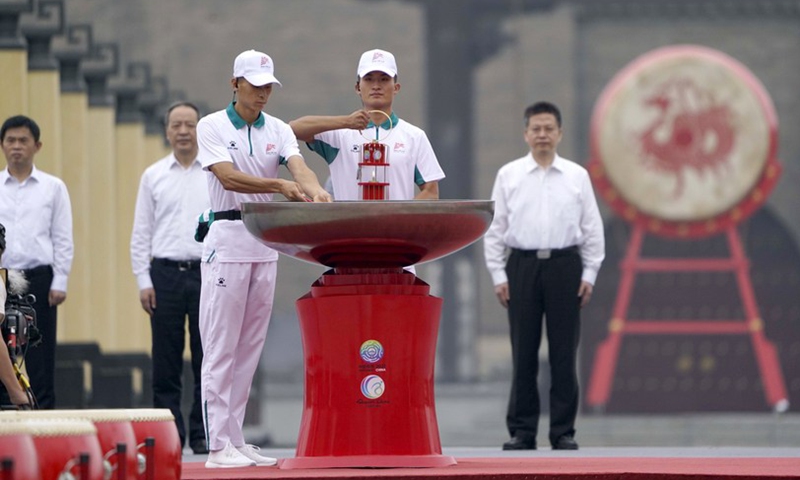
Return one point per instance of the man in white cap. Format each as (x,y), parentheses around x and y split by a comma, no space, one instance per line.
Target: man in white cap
(242,147)
(414,171)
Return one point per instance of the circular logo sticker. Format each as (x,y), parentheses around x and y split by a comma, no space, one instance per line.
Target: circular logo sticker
(371,351)
(372,386)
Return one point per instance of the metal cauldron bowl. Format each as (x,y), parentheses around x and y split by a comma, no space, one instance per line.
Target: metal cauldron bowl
(368,234)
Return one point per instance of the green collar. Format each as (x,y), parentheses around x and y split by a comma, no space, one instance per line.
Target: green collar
(238,122)
(387,125)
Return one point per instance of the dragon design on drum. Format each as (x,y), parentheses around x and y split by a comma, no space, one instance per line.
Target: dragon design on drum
(691,132)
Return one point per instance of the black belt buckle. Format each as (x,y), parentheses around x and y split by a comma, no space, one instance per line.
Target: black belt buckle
(544,253)
(184,265)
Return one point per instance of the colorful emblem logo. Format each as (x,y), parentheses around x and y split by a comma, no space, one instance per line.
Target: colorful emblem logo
(372,386)
(371,351)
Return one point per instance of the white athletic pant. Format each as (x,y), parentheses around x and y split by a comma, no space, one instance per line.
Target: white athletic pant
(235,306)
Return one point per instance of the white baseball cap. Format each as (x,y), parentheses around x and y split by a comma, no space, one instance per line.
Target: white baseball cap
(256,67)
(377,60)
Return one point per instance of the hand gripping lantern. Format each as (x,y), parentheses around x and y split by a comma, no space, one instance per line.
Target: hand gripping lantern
(372,169)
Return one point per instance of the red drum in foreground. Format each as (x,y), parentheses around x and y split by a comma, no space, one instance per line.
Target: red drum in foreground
(16,444)
(60,446)
(158,424)
(113,428)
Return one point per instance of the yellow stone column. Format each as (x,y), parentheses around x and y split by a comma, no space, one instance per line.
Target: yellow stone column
(43,81)
(130,163)
(75,316)
(13,61)
(13,82)
(44,106)
(104,271)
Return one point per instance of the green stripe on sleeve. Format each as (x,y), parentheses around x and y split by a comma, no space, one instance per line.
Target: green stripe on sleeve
(326,151)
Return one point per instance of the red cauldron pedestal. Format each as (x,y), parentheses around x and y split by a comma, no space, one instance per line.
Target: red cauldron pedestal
(369,327)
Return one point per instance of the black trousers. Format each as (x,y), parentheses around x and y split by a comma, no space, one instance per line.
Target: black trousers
(177,297)
(40,361)
(543,289)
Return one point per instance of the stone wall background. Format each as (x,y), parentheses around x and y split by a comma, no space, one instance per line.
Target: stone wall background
(565,54)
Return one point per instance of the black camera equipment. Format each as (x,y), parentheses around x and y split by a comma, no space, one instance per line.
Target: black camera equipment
(19,328)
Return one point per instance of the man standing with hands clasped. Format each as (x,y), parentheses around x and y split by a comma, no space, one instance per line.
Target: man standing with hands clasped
(166,261)
(36,211)
(543,250)
(242,147)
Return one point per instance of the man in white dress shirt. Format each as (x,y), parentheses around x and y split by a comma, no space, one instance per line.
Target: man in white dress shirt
(543,250)
(242,147)
(36,211)
(173,192)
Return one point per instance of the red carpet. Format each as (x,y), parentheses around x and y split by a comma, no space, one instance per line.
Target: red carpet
(539,469)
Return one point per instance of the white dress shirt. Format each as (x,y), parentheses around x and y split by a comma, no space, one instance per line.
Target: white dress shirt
(544,208)
(37,215)
(169,202)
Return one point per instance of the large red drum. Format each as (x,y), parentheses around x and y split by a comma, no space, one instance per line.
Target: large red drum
(113,428)
(16,444)
(158,424)
(60,445)
(684,142)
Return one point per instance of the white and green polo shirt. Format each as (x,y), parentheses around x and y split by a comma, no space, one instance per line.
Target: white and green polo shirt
(411,158)
(257,150)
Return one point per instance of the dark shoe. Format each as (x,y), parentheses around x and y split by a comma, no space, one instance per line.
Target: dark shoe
(520,443)
(199,447)
(565,442)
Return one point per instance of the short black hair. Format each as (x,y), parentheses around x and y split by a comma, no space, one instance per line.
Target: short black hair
(18,121)
(542,107)
(177,104)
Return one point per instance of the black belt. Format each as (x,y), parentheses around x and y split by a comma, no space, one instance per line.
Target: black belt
(228,215)
(181,265)
(545,253)
(36,271)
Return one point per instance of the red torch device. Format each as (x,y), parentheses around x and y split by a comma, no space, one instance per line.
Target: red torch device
(372,169)
(373,165)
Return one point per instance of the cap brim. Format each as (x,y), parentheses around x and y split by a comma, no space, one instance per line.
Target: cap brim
(262,79)
(377,68)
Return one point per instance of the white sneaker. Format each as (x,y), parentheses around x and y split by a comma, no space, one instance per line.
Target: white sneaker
(228,457)
(251,452)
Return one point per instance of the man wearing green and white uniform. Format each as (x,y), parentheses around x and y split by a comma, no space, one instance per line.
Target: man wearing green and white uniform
(413,173)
